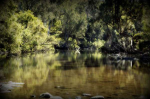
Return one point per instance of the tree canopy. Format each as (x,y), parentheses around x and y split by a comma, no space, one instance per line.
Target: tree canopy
(30,25)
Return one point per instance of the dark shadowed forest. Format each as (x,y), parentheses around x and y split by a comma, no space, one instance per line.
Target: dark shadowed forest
(106,25)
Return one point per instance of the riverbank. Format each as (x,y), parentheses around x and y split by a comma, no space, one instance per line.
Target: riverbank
(143,57)
(9,54)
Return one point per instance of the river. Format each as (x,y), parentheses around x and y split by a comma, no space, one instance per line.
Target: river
(67,74)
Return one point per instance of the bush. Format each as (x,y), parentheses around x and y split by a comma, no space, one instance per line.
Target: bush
(142,41)
(11,36)
(99,44)
(34,34)
(23,32)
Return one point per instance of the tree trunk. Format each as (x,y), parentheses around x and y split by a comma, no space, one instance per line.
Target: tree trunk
(49,27)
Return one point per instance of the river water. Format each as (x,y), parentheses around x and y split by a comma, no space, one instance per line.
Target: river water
(67,74)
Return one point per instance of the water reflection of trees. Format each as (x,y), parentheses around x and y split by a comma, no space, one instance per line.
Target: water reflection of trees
(38,71)
(70,60)
(101,79)
(30,69)
(93,60)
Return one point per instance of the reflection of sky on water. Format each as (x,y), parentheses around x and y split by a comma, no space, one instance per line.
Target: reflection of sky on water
(76,74)
(7,87)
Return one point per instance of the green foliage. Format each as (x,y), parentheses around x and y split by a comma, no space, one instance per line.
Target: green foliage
(56,28)
(38,34)
(72,43)
(25,17)
(99,44)
(146,19)
(74,24)
(23,32)
(28,25)
(34,33)
(142,36)
(11,38)
(8,29)
(142,41)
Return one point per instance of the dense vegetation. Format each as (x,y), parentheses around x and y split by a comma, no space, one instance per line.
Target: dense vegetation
(111,25)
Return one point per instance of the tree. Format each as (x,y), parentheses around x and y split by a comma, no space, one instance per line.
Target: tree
(73,24)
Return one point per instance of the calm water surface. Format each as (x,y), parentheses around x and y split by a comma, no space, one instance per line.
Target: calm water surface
(68,75)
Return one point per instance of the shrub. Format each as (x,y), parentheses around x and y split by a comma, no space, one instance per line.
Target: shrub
(23,32)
